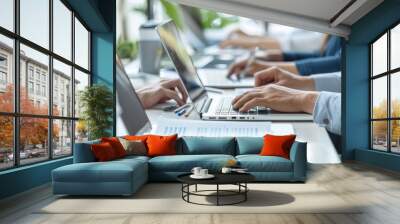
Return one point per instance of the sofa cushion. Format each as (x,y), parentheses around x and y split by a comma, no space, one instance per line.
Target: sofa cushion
(83,152)
(185,163)
(116,145)
(257,163)
(277,145)
(249,145)
(159,145)
(103,152)
(112,171)
(134,147)
(206,145)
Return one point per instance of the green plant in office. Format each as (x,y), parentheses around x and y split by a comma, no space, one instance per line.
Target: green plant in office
(209,19)
(215,20)
(96,102)
(173,12)
(127,49)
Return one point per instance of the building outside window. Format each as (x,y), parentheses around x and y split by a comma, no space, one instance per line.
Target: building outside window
(30,87)
(3,78)
(57,127)
(385,91)
(44,91)
(38,89)
(44,77)
(30,72)
(3,72)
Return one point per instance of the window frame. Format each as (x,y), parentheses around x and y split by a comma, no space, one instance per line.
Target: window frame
(16,115)
(388,74)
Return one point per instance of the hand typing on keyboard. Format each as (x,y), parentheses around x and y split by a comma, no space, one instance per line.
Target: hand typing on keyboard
(277,98)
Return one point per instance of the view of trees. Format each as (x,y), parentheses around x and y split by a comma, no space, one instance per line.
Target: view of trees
(33,132)
(379,128)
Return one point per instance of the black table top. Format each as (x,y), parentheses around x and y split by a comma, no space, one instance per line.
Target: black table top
(220,178)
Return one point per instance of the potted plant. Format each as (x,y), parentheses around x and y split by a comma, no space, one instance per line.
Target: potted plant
(96,102)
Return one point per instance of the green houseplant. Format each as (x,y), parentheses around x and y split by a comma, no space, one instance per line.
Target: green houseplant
(96,102)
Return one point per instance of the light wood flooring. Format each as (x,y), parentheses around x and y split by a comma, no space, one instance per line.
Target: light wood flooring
(377,188)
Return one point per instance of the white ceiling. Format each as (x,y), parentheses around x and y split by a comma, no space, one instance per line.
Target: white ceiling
(315,15)
(321,9)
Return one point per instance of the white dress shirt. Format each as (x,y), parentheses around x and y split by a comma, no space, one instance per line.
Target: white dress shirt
(327,110)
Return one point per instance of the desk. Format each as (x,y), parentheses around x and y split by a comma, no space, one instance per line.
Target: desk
(320,148)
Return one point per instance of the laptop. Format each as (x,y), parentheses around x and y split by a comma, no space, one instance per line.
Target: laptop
(131,118)
(210,107)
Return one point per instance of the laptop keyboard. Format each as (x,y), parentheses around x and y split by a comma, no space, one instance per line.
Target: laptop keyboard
(225,108)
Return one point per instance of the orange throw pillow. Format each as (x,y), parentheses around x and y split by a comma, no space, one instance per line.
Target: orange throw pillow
(275,145)
(161,145)
(103,152)
(116,145)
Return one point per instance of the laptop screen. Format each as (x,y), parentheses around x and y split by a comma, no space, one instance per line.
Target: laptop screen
(130,114)
(176,51)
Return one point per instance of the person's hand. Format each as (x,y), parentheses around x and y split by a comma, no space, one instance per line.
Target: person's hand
(242,66)
(275,75)
(270,55)
(163,91)
(249,69)
(277,98)
(239,42)
(237,33)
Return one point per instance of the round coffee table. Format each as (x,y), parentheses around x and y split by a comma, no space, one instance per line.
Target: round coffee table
(238,179)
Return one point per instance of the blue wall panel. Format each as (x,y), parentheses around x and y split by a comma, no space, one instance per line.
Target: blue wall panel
(24,178)
(103,63)
(356,81)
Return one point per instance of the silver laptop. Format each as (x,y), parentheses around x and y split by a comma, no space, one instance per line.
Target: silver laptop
(131,118)
(216,107)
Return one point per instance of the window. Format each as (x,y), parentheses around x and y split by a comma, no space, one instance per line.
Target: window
(7,73)
(81,45)
(35,21)
(44,91)
(3,78)
(30,72)
(30,88)
(62,29)
(7,14)
(45,122)
(385,94)
(37,90)
(3,61)
(38,74)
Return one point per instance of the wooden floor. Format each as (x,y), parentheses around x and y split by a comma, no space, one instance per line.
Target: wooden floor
(377,188)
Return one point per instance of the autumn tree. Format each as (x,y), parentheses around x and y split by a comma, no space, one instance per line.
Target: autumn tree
(33,131)
(379,128)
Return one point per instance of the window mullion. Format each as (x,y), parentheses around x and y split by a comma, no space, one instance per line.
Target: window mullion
(73,82)
(389,104)
(50,81)
(16,84)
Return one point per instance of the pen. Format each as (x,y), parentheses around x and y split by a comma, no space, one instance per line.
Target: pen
(181,107)
(251,59)
(189,111)
(179,113)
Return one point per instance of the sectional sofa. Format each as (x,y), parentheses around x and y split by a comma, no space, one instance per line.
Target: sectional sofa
(125,176)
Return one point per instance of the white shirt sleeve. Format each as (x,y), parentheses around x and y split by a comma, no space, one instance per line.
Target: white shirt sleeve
(327,111)
(330,82)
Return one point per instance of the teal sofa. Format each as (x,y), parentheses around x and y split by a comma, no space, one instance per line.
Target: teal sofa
(125,176)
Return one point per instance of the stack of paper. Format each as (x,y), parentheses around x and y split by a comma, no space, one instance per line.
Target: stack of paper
(220,128)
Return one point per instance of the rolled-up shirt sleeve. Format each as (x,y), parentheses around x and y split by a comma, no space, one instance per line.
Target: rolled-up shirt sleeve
(318,65)
(329,82)
(327,111)
(293,56)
